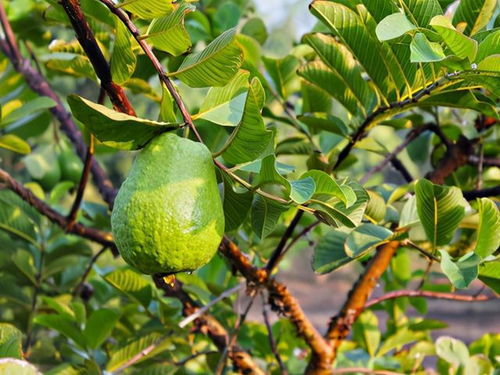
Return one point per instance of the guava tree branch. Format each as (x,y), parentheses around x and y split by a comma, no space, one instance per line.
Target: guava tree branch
(43,208)
(89,44)
(282,301)
(38,84)
(340,325)
(209,326)
(428,294)
(482,193)
(383,110)
(156,64)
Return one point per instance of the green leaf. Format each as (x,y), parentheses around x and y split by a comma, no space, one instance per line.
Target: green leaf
(268,175)
(147,9)
(236,205)
(28,108)
(302,190)
(488,232)
(169,34)
(62,324)
(123,60)
(13,366)
(364,238)
(489,273)
(420,12)
(14,143)
(99,327)
(366,332)
(452,350)
(462,272)
(353,33)
(225,105)
(251,138)
(393,26)
(324,121)
(461,45)
(255,28)
(145,347)
(329,253)
(475,13)
(376,208)
(226,16)
(397,340)
(167,106)
(440,210)
(489,46)
(491,63)
(10,341)
(320,75)
(71,64)
(327,187)
(216,65)
(265,215)
(132,284)
(116,129)
(14,220)
(422,50)
(282,71)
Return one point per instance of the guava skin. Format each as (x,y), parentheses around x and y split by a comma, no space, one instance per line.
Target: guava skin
(168,215)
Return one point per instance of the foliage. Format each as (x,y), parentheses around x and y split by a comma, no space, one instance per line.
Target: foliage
(301,141)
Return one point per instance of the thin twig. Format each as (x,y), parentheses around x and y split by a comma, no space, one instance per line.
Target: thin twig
(89,44)
(422,251)
(428,294)
(232,338)
(36,292)
(156,64)
(94,259)
(412,135)
(270,336)
(276,255)
(484,193)
(383,110)
(79,229)
(182,362)
(204,309)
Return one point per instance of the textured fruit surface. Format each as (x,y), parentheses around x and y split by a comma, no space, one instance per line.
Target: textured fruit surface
(168,215)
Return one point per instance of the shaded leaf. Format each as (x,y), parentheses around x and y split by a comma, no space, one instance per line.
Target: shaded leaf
(265,215)
(440,210)
(422,50)
(99,326)
(132,284)
(329,253)
(116,129)
(462,272)
(168,33)
(488,233)
(475,13)
(10,341)
(123,60)
(364,238)
(215,65)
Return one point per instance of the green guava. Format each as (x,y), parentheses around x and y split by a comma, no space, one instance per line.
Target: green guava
(168,215)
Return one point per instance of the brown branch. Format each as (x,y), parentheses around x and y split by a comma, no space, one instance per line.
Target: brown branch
(277,253)
(38,84)
(427,294)
(457,155)
(89,44)
(399,166)
(209,326)
(487,192)
(79,229)
(282,301)
(94,259)
(380,111)
(156,64)
(340,326)
(412,135)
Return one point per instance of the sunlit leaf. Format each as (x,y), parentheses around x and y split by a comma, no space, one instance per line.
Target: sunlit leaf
(462,272)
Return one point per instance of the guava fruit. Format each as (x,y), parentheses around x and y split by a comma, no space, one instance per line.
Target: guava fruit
(168,215)
(71,166)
